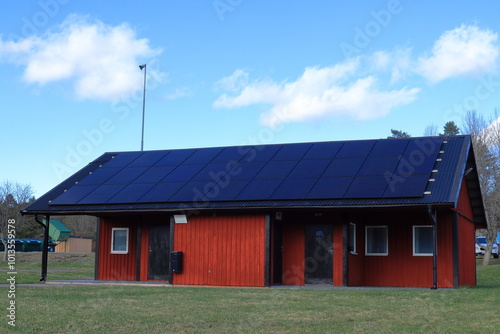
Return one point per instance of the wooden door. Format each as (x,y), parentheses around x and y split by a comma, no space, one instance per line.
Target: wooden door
(158,252)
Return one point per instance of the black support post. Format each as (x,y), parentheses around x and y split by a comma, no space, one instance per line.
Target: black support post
(45,246)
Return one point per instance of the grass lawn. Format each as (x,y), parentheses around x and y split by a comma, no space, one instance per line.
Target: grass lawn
(143,309)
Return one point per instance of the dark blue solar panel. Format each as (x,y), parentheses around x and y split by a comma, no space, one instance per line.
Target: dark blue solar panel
(424,146)
(161,192)
(367,187)
(246,170)
(203,156)
(387,148)
(323,150)
(344,167)
(229,154)
(225,190)
(175,157)
(411,186)
(183,173)
(292,152)
(131,193)
(330,187)
(276,169)
(74,194)
(355,149)
(126,175)
(99,176)
(260,153)
(154,174)
(259,189)
(102,194)
(122,159)
(416,163)
(192,191)
(147,159)
(379,166)
(212,172)
(294,188)
(309,168)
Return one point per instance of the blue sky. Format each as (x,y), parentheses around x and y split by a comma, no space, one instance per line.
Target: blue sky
(231,72)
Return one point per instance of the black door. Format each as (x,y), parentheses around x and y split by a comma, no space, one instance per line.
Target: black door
(319,254)
(158,252)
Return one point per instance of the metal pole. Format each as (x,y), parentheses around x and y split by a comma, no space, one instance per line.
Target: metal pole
(143,105)
(45,250)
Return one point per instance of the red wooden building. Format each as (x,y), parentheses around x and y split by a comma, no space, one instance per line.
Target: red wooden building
(398,212)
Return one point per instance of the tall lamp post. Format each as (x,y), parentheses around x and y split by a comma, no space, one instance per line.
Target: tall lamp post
(143,67)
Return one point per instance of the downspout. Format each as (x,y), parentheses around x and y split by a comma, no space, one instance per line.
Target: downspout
(432,217)
(45,247)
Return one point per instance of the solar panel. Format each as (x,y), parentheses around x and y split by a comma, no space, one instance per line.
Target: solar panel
(131,193)
(276,169)
(388,148)
(73,195)
(309,168)
(411,186)
(154,174)
(225,190)
(192,191)
(183,173)
(260,153)
(246,170)
(294,188)
(355,149)
(161,192)
(259,189)
(379,166)
(102,194)
(122,159)
(292,152)
(330,187)
(147,159)
(126,175)
(211,172)
(175,157)
(231,154)
(367,187)
(203,156)
(99,176)
(343,167)
(323,150)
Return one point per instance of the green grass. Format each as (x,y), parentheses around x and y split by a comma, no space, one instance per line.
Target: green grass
(149,309)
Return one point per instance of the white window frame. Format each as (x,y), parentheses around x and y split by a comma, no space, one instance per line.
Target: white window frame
(113,230)
(352,234)
(414,240)
(386,240)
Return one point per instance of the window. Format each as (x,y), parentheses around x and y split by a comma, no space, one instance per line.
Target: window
(376,240)
(423,240)
(352,238)
(119,240)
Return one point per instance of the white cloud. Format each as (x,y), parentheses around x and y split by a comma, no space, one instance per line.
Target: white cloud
(317,94)
(178,93)
(466,50)
(102,60)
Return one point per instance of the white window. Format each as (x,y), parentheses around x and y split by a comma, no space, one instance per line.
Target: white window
(119,240)
(352,238)
(376,240)
(423,240)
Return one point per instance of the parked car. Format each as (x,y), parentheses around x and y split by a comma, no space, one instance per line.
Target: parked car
(482,245)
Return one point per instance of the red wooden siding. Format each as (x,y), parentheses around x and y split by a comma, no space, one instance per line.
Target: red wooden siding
(338,257)
(116,266)
(293,253)
(144,253)
(222,250)
(400,267)
(466,248)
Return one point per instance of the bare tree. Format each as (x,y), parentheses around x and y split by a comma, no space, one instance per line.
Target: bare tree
(13,197)
(431,130)
(486,143)
(80,225)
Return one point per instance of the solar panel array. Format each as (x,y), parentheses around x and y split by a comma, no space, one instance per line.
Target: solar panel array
(327,170)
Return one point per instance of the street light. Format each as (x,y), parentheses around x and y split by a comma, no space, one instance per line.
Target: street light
(143,67)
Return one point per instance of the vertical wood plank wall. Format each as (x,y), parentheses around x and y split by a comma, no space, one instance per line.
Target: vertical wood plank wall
(293,254)
(466,247)
(221,250)
(117,266)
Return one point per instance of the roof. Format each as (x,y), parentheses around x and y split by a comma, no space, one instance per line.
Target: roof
(383,172)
